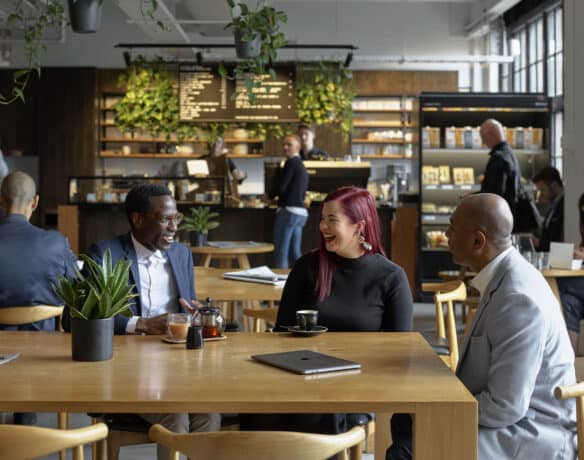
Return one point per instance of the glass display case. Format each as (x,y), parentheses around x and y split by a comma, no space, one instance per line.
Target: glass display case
(453,158)
(207,190)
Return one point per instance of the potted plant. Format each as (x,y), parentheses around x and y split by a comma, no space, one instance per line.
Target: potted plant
(257,38)
(94,300)
(85,15)
(326,98)
(201,220)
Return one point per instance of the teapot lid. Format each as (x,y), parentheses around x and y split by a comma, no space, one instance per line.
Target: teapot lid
(209,310)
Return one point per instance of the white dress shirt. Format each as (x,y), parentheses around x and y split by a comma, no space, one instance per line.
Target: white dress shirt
(158,293)
(484,277)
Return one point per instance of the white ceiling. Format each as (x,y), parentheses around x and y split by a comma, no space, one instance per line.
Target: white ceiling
(390,28)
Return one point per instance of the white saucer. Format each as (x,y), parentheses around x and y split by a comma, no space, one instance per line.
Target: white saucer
(305,333)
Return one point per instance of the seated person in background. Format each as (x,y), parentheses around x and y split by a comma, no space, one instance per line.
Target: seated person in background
(162,271)
(308,150)
(352,285)
(551,191)
(32,258)
(572,288)
(517,349)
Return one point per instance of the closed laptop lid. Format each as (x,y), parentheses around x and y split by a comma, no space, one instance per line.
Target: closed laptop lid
(306,362)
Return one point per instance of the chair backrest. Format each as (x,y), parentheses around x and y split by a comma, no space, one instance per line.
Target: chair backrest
(448,293)
(21,442)
(17,316)
(258,445)
(575,390)
(269,315)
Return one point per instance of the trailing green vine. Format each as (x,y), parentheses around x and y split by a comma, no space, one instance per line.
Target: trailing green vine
(326,99)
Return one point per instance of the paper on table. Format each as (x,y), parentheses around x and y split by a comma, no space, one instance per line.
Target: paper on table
(561,255)
(257,275)
(5,357)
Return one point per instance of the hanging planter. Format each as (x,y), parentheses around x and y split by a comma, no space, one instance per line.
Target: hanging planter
(85,15)
(247,49)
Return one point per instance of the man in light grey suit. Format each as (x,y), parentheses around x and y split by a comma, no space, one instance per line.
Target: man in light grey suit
(517,349)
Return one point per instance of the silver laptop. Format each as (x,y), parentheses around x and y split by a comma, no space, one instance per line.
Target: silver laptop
(306,362)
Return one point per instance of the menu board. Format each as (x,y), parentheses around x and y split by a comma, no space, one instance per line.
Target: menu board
(207,96)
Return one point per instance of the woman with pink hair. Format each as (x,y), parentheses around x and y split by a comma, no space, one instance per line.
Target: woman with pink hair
(348,279)
(352,285)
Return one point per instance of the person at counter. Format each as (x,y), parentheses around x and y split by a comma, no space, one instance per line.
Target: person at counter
(162,272)
(351,283)
(291,215)
(308,151)
(215,153)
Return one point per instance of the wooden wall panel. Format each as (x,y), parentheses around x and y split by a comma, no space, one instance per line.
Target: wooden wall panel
(395,82)
(57,123)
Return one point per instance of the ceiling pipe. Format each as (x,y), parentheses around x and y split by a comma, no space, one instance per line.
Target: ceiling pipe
(462,59)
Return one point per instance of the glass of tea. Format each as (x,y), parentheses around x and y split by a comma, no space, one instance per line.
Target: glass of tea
(177,326)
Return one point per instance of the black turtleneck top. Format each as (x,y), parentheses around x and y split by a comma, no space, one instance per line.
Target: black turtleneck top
(369,293)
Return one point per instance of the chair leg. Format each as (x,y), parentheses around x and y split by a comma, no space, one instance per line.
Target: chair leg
(113,445)
(78,452)
(356,452)
(382,434)
(63,424)
(370,439)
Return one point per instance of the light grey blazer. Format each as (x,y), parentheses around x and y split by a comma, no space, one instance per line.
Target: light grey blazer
(516,352)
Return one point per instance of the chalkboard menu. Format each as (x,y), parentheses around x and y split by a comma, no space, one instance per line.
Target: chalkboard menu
(207,96)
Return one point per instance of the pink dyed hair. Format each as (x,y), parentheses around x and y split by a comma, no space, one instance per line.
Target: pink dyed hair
(359,206)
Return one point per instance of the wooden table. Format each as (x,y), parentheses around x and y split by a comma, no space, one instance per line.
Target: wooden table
(400,373)
(552,274)
(239,251)
(209,282)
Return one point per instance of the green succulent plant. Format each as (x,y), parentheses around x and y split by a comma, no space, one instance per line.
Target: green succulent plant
(103,292)
(266,22)
(327,98)
(201,220)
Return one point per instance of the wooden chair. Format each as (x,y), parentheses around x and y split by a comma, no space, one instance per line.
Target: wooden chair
(26,442)
(18,316)
(575,390)
(446,342)
(123,430)
(259,445)
(268,315)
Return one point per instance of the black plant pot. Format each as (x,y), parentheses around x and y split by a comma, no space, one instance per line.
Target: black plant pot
(92,340)
(199,239)
(85,15)
(247,50)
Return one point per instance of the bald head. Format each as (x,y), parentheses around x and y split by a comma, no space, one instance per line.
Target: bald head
(18,194)
(491,214)
(492,132)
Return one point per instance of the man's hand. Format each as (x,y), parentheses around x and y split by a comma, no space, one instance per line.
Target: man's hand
(192,307)
(152,326)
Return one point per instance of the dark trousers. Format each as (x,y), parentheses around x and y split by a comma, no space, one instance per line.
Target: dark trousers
(401,434)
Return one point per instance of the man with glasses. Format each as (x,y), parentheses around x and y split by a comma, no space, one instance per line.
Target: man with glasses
(162,272)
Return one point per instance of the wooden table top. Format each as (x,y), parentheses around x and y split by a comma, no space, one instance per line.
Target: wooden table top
(258,248)
(561,273)
(209,282)
(147,375)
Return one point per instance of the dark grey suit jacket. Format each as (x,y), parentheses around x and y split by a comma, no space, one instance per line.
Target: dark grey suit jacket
(122,248)
(32,261)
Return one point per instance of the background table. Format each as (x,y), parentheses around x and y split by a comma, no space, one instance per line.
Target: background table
(239,252)
(552,274)
(400,373)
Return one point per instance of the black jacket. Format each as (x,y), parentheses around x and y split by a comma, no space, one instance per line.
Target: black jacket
(553,225)
(293,183)
(502,174)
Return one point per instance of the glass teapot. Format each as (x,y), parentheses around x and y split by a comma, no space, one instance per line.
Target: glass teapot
(211,320)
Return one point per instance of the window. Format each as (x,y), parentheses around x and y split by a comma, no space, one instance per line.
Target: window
(555,53)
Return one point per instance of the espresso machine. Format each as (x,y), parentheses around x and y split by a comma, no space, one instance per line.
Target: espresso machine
(397,181)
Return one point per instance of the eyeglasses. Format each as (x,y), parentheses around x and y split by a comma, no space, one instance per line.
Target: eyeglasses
(165,220)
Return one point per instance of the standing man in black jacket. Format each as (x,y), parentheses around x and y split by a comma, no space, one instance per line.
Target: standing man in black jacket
(291,215)
(308,151)
(502,174)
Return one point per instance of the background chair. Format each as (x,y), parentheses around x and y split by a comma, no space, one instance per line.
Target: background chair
(575,390)
(26,442)
(268,315)
(19,316)
(259,445)
(446,342)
